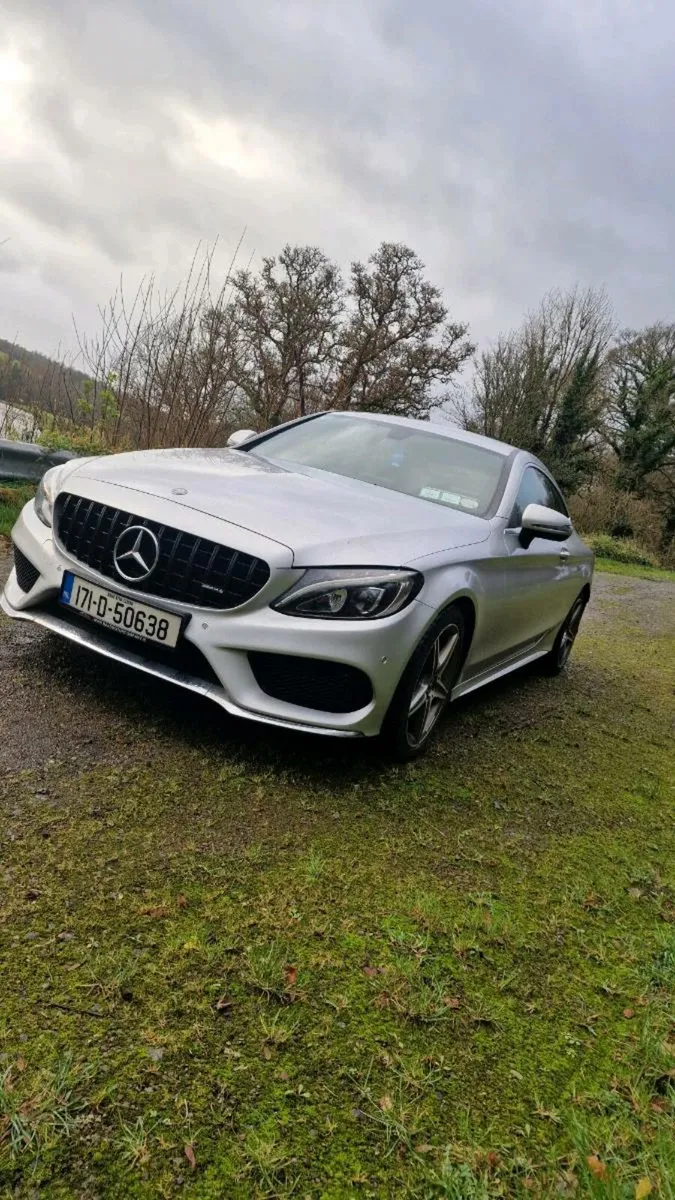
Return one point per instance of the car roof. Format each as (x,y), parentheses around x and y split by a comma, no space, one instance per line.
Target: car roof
(441,428)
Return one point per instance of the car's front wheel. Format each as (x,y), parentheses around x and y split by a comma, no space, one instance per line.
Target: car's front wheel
(425,686)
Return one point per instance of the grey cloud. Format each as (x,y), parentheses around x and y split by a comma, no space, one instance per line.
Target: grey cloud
(516,147)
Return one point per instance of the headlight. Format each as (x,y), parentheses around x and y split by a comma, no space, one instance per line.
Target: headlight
(351,594)
(45,496)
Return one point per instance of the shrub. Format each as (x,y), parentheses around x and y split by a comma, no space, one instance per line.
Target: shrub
(601,508)
(623,550)
(59,434)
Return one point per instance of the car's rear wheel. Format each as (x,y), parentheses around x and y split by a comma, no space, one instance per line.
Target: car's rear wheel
(424,690)
(556,660)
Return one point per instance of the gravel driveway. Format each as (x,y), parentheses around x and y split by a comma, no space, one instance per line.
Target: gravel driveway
(58,702)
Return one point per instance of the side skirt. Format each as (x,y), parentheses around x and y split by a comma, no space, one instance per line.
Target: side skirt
(478,681)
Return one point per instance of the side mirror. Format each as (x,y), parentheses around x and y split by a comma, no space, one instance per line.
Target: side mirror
(238,438)
(539,521)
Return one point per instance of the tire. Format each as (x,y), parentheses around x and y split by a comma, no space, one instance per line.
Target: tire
(557,658)
(427,682)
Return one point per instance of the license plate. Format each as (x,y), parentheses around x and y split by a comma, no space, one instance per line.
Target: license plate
(119,612)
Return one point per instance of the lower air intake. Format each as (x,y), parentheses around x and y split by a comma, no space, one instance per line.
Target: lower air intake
(311,682)
(26,574)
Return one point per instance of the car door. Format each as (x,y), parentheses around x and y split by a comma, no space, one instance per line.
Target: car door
(540,579)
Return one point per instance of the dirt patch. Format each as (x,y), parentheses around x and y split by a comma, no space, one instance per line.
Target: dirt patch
(649,603)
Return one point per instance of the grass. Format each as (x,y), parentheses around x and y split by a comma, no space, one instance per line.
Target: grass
(234,965)
(13,496)
(612,567)
(620,549)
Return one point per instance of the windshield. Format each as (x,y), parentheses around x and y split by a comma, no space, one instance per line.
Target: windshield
(432,467)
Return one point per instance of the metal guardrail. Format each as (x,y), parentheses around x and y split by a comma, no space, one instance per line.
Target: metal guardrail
(25,461)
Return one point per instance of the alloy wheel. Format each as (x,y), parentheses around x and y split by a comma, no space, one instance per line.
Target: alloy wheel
(432,689)
(569,633)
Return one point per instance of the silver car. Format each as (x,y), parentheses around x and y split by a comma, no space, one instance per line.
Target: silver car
(345,574)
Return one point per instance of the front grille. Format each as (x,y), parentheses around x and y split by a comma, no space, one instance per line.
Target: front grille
(190,569)
(311,682)
(26,574)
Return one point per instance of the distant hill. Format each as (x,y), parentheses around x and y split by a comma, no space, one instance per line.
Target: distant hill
(30,380)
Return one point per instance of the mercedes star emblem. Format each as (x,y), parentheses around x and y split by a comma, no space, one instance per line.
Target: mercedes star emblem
(136,553)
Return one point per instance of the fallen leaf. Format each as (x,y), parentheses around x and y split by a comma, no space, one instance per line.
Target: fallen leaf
(190,1155)
(596,1167)
(493,1159)
(267,1053)
(291,974)
(21,1063)
(385,1103)
(567,1184)
(182,902)
(451,1001)
(628,1013)
(424,1148)
(643,1188)
(159,910)
(371,972)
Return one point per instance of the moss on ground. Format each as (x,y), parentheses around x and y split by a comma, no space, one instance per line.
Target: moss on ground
(282,968)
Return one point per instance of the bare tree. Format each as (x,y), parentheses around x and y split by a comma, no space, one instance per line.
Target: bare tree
(540,386)
(160,372)
(183,368)
(306,342)
(399,351)
(286,324)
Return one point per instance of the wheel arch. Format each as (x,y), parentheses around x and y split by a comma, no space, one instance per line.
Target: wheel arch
(467,606)
(468,609)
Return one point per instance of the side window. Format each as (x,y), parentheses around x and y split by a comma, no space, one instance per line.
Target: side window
(555,499)
(533,490)
(536,488)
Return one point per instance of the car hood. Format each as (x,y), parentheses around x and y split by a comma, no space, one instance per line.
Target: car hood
(324,519)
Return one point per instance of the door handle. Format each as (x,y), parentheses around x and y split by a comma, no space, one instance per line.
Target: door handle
(564,555)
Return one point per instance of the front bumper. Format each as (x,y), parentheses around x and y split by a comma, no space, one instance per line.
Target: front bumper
(380,649)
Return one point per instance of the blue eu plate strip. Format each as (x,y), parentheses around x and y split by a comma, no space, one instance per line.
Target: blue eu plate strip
(67,588)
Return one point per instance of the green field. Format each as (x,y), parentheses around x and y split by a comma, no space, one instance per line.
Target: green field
(239,964)
(618,568)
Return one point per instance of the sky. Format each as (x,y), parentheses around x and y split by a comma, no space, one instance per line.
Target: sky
(515,146)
